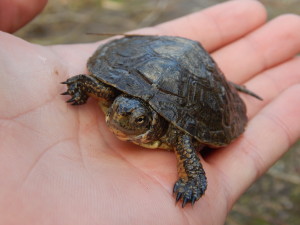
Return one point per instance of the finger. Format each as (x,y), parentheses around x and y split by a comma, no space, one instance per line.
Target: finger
(268,136)
(217,25)
(213,27)
(270,84)
(264,48)
(15,14)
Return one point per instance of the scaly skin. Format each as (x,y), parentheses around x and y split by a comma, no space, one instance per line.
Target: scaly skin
(192,183)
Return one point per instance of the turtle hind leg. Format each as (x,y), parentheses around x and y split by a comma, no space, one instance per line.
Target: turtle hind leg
(245,90)
(81,87)
(192,181)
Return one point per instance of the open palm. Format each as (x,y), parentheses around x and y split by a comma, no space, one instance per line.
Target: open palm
(59,164)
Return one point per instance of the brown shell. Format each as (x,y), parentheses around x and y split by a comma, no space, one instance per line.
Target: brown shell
(178,79)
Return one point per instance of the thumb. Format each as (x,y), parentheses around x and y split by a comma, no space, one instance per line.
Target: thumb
(16,13)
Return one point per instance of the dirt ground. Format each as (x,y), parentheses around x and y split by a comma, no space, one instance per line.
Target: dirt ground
(275,197)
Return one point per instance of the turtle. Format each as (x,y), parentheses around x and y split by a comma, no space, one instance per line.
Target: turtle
(164,92)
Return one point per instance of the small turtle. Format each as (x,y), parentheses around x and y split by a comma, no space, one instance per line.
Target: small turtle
(164,92)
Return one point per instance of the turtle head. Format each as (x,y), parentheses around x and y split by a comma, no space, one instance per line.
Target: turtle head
(131,119)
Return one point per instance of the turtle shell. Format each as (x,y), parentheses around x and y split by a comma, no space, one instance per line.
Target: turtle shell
(178,79)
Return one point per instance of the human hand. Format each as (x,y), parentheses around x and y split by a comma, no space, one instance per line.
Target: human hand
(60,165)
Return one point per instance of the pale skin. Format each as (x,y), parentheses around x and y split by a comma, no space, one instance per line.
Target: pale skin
(61,165)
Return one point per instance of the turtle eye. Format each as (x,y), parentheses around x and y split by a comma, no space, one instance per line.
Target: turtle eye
(140,119)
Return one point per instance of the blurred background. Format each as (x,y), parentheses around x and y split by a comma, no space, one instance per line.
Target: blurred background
(275,197)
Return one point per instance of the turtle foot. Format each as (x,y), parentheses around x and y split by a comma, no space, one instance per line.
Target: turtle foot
(76,90)
(191,190)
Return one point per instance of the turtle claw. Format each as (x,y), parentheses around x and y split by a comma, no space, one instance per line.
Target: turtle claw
(178,197)
(65,93)
(68,81)
(75,89)
(189,191)
(175,188)
(185,200)
(77,98)
(193,200)
(71,100)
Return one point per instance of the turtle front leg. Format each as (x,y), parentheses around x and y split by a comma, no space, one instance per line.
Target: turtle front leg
(81,87)
(192,183)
